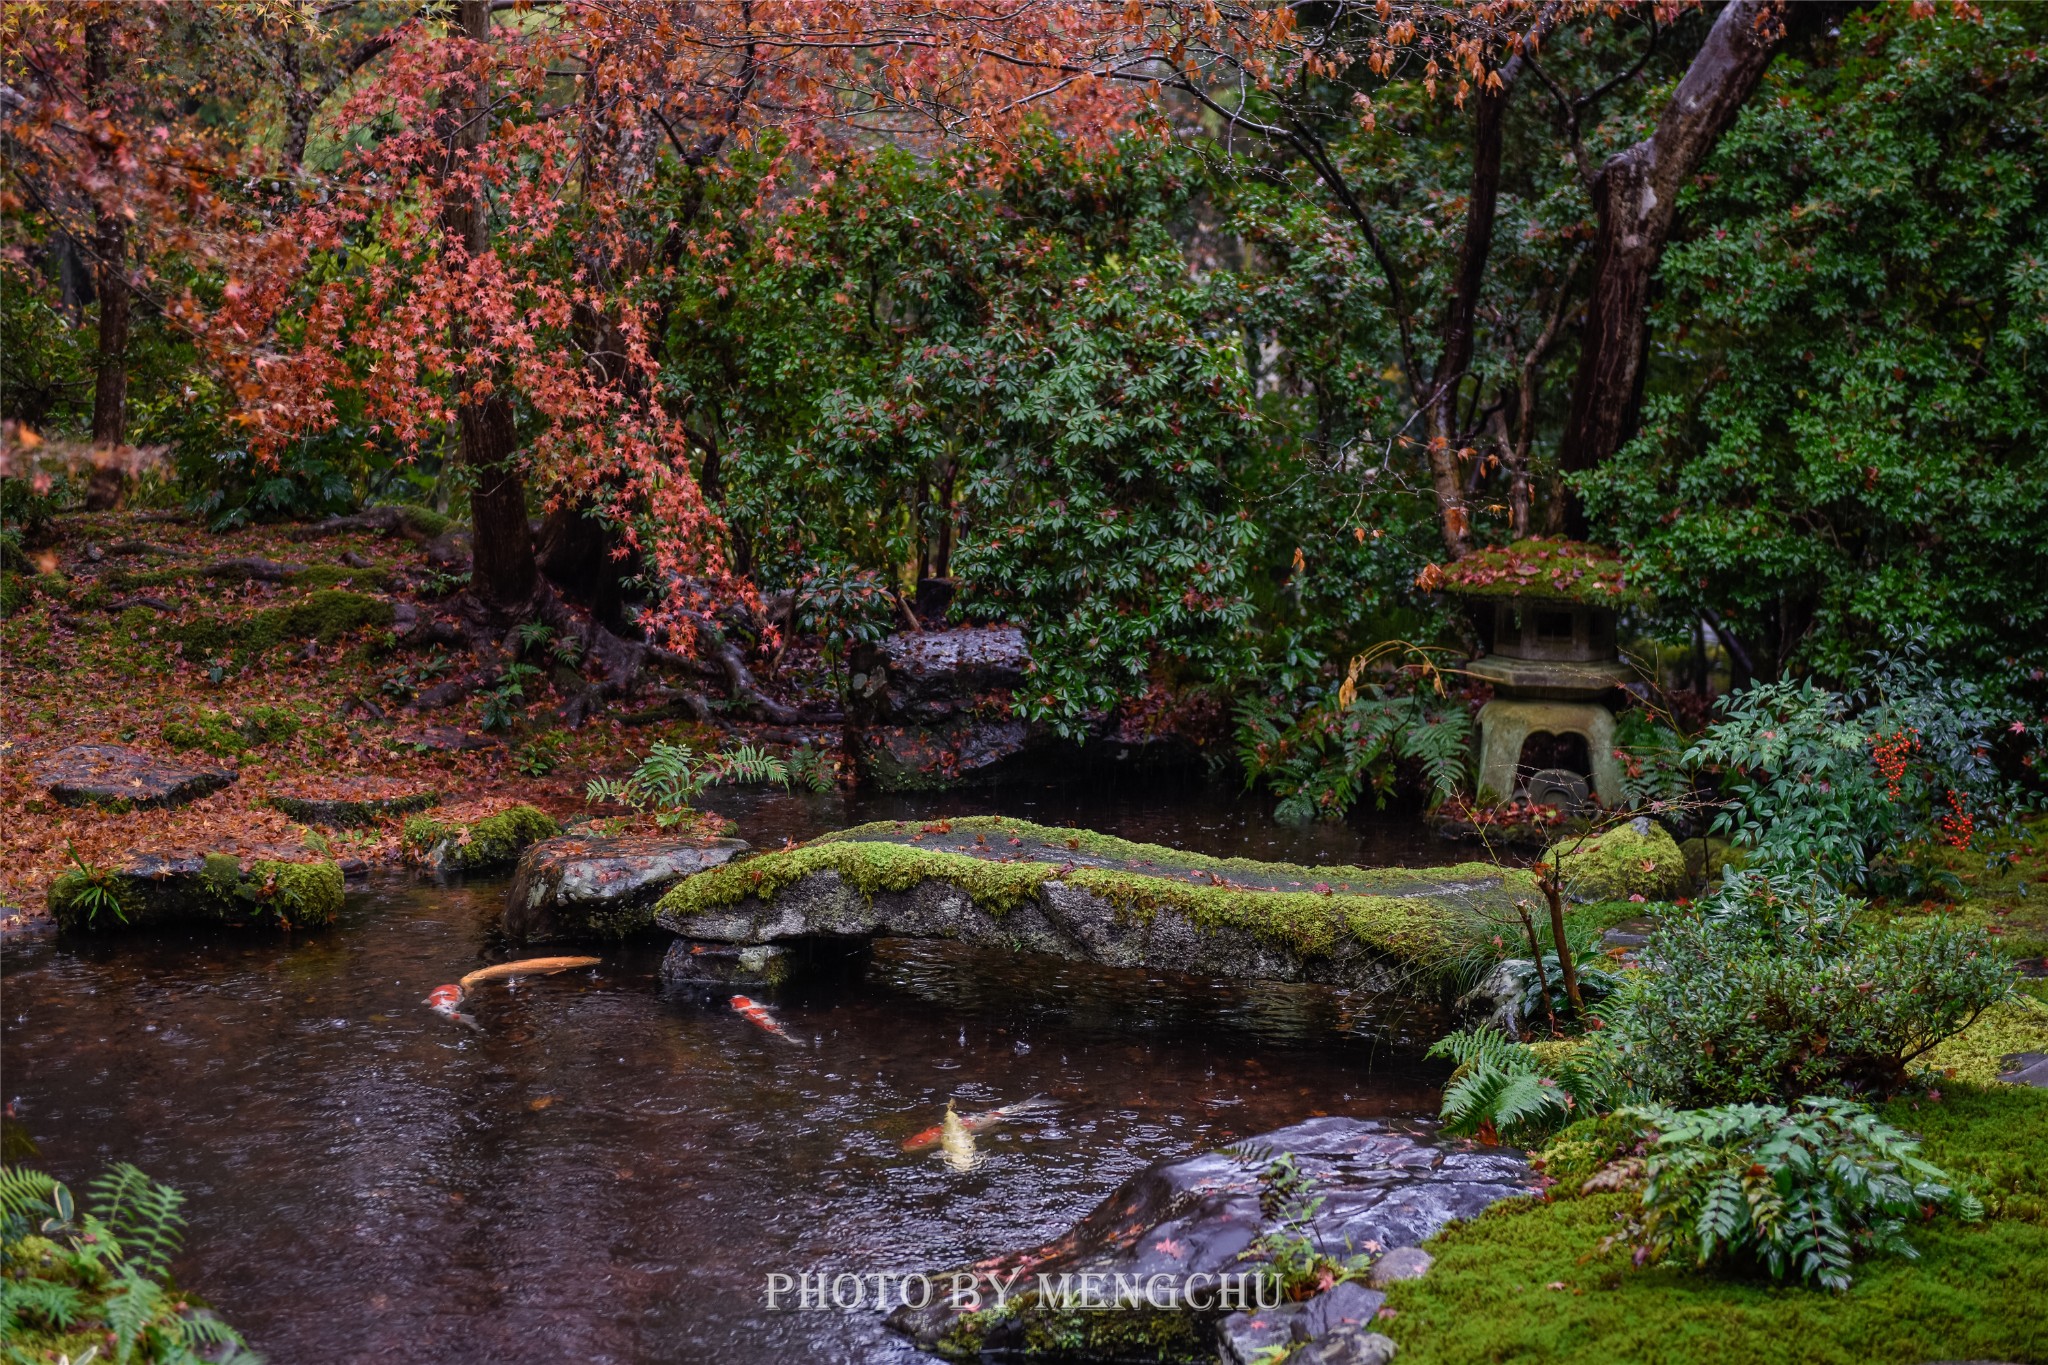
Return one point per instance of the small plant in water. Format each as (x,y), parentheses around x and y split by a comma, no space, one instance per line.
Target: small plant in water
(674,775)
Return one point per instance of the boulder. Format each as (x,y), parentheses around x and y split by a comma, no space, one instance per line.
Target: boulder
(153,890)
(1178,1224)
(1069,893)
(122,778)
(1402,1263)
(1639,858)
(573,889)
(494,840)
(932,710)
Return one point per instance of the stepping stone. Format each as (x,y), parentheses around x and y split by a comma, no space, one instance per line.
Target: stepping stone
(347,804)
(217,889)
(122,778)
(1341,1305)
(443,739)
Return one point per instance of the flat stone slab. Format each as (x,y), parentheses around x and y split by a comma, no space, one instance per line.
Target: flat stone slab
(1382,1185)
(119,777)
(577,889)
(154,890)
(348,805)
(2026,1068)
(1087,897)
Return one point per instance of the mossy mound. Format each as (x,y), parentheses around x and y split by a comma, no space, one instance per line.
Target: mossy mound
(1090,896)
(225,735)
(1546,1283)
(1538,569)
(1639,858)
(327,616)
(215,889)
(493,841)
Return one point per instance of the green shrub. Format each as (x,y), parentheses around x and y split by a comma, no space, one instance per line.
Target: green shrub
(1799,1191)
(1741,1008)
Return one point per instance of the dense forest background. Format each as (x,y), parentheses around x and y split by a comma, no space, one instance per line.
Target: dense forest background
(1193,388)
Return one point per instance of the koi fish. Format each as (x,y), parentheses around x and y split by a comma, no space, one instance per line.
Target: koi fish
(955,1127)
(956,1141)
(757,1014)
(446,1001)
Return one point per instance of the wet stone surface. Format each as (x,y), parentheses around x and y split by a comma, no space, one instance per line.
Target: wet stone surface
(576,889)
(1382,1186)
(111,775)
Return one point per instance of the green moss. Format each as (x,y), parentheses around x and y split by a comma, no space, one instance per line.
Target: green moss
(16,593)
(348,813)
(1639,858)
(224,735)
(334,575)
(80,900)
(325,616)
(869,868)
(1417,928)
(492,841)
(1545,570)
(135,580)
(2020,1025)
(2011,903)
(1490,1294)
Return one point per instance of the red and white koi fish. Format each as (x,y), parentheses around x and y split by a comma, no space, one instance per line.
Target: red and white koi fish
(446,1001)
(757,1014)
(1036,1107)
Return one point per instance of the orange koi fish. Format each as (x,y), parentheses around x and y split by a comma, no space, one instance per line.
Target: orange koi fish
(446,1001)
(757,1014)
(1036,1107)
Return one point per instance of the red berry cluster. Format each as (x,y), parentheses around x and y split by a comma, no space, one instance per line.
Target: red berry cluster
(1892,755)
(1958,826)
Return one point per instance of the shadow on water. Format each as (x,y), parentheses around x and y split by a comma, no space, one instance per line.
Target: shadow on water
(608,1172)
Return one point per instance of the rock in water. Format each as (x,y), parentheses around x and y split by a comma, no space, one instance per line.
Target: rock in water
(151,890)
(1381,1188)
(117,777)
(573,889)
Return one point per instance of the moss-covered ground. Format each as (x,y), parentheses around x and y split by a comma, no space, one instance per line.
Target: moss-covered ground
(2008,899)
(1529,1281)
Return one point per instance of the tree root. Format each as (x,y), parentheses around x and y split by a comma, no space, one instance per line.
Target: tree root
(252,567)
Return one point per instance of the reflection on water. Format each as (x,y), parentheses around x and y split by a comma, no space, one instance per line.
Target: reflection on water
(607,1173)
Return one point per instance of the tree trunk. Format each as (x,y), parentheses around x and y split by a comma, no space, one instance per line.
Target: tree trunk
(503,575)
(110,281)
(1636,197)
(1440,415)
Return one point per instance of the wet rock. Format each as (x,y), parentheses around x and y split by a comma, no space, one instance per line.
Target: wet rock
(121,778)
(2026,1068)
(152,890)
(1639,858)
(723,964)
(932,710)
(574,889)
(1249,1338)
(450,551)
(341,808)
(1347,1346)
(1402,1263)
(1381,1186)
(1083,896)
(1496,1001)
(1341,1305)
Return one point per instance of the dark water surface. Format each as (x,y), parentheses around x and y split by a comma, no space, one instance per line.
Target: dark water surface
(609,1173)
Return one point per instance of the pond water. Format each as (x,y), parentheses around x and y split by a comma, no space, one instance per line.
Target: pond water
(608,1172)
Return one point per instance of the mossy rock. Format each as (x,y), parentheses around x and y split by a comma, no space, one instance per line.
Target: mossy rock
(226,736)
(16,593)
(153,891)
(494,841)
(1086,896)
(1639,858)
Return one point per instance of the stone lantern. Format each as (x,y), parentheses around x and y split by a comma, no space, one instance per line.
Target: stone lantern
(1546,610)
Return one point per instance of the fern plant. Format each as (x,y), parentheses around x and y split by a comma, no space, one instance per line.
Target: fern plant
(92,888)
(1801,1190)
(101,1272)
(1504,1091)
(674,775)
(1351,746)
